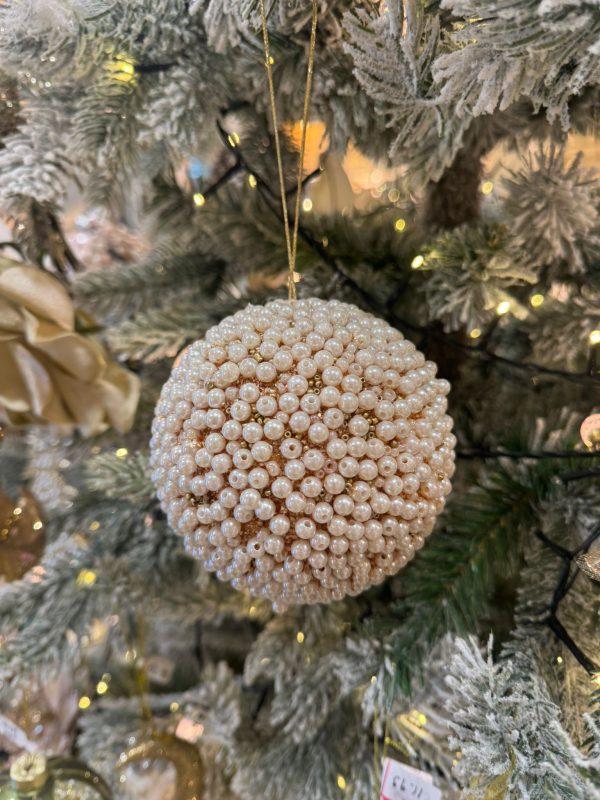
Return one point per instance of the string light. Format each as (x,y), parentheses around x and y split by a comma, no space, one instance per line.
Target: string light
(475,333)
(86,577)
(84,702)
(102,687)
(559,660)
(487,187)
(373,680)
(596,678)
(341,782)
(300,637)
(94,526)
(400,224)
(417,262)
(121,452)
(174,708)
(252,181)
(536,300)
(38,525)
(17,511)
(503,307)
(595,337)
(122,69)
(307,204)
(199,199)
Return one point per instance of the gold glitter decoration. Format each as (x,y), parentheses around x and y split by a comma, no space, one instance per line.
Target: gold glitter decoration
(33,775)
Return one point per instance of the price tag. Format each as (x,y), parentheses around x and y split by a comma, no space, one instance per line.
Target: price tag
(401,782)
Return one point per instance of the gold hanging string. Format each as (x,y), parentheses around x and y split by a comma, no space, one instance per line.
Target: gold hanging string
(291,241)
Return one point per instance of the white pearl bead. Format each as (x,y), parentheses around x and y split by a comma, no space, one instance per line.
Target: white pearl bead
(249,392)
(289,402)
(299,422)
(313,460)
(318,433)
(273,429)
(336,449)
(334,483)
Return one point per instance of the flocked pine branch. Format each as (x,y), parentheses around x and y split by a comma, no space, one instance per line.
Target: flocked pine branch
(510,735)
(469,272)
(553,207)
(120,478)
(503,51)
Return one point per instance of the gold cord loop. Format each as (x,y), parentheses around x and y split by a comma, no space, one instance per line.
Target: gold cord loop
(291,241)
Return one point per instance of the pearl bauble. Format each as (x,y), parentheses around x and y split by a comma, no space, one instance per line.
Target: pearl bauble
(314,455)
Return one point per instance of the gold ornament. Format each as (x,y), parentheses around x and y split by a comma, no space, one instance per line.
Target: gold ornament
(183,755)
(50,372)
(21,536)
(33,775)
(590,563)
(590,431)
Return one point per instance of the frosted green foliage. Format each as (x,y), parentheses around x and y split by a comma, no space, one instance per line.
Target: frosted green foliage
(560,330)
(278,767)
(127,478)
(506,726)
(553,208)
(394,67)
(120,292)
(542,49)
(160,334)
(131,558)
(277,654)
(469,271)
(35,161)
(113,124)
(223,20)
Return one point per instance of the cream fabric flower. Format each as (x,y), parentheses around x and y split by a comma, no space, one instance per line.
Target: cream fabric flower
(48,371)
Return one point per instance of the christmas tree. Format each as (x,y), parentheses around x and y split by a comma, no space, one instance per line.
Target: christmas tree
(417,172)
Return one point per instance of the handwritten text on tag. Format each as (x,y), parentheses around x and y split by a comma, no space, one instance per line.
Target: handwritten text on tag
(401,782)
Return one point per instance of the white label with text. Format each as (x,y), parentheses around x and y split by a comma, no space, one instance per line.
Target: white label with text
(401,782)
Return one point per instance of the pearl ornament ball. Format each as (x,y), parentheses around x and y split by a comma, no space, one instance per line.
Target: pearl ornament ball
(303,450)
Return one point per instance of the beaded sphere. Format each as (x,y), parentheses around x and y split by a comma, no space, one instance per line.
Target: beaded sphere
(303,450)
